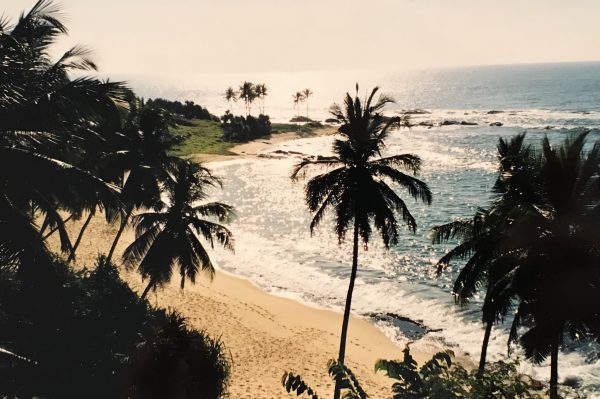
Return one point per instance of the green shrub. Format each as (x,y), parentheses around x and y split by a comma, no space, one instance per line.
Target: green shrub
(80,334)
(438,378)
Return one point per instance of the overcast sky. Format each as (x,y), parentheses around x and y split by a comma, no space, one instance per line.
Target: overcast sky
(187,37)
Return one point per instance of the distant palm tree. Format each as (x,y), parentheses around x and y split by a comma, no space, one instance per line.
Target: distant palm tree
(168,236)
(247,92)
(297,98)
(356,190)
(230,95)
(261,93)
(141,165)
(306,93)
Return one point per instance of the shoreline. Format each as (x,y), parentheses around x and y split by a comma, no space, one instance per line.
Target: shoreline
(254,147)
(266,334)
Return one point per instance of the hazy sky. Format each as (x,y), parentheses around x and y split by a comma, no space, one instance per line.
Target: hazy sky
(187,37)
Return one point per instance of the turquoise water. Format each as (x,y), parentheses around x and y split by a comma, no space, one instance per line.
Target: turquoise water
(275,249)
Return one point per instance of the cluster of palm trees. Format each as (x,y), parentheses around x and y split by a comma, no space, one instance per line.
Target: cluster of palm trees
(301,96)
(82,146)
(247,92)
(354,185)
(535,250)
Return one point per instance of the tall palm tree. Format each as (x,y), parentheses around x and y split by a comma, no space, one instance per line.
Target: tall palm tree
(168,235)
(230,95)
(357,189)
(297,98)
(247,93)
(306,93)
(46,118)
(141,165)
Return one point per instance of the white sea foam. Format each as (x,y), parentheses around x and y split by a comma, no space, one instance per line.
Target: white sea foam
(275,250)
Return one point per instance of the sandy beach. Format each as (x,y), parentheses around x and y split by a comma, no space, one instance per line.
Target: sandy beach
(265,334)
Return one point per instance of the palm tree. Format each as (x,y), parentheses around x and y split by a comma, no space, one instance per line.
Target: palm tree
(46,118)
(297,98)
(247,92)
(306,93)
(556,274)
(261,92)
(357,189)
(483,239)
(168,235)
(230,95)
(141,165)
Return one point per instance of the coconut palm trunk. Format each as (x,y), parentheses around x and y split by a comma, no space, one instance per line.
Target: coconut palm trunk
(306,107)
(348,307)
(80,236)
(484,346)
(554,366)
(148,288)
(55,229)
(118,236)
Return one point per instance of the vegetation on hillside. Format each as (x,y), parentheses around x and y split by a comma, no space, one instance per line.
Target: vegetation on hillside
(77,147)
(183,112)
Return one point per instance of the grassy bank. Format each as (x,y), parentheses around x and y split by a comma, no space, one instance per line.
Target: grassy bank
(205,137)
(201,137)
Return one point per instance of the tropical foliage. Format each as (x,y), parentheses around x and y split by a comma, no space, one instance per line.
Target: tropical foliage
(536,247)
(70,147)
(87,334)
(167,236)
(438,378)
(344,377)
(241,129)
(48,122)
(355,187)
(187,110)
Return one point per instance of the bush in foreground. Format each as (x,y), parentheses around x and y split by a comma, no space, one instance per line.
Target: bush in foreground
(85,334)
(438,378)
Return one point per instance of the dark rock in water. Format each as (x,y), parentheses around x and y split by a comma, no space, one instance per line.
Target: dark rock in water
(412,329)
(496,124)
(331,120)
(415,111)
(549,127)
(322,158)
(449,123)
(493,112)
(465,123)
(427,124)
(573,382)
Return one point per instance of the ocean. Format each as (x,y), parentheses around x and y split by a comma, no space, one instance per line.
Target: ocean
(275,250)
